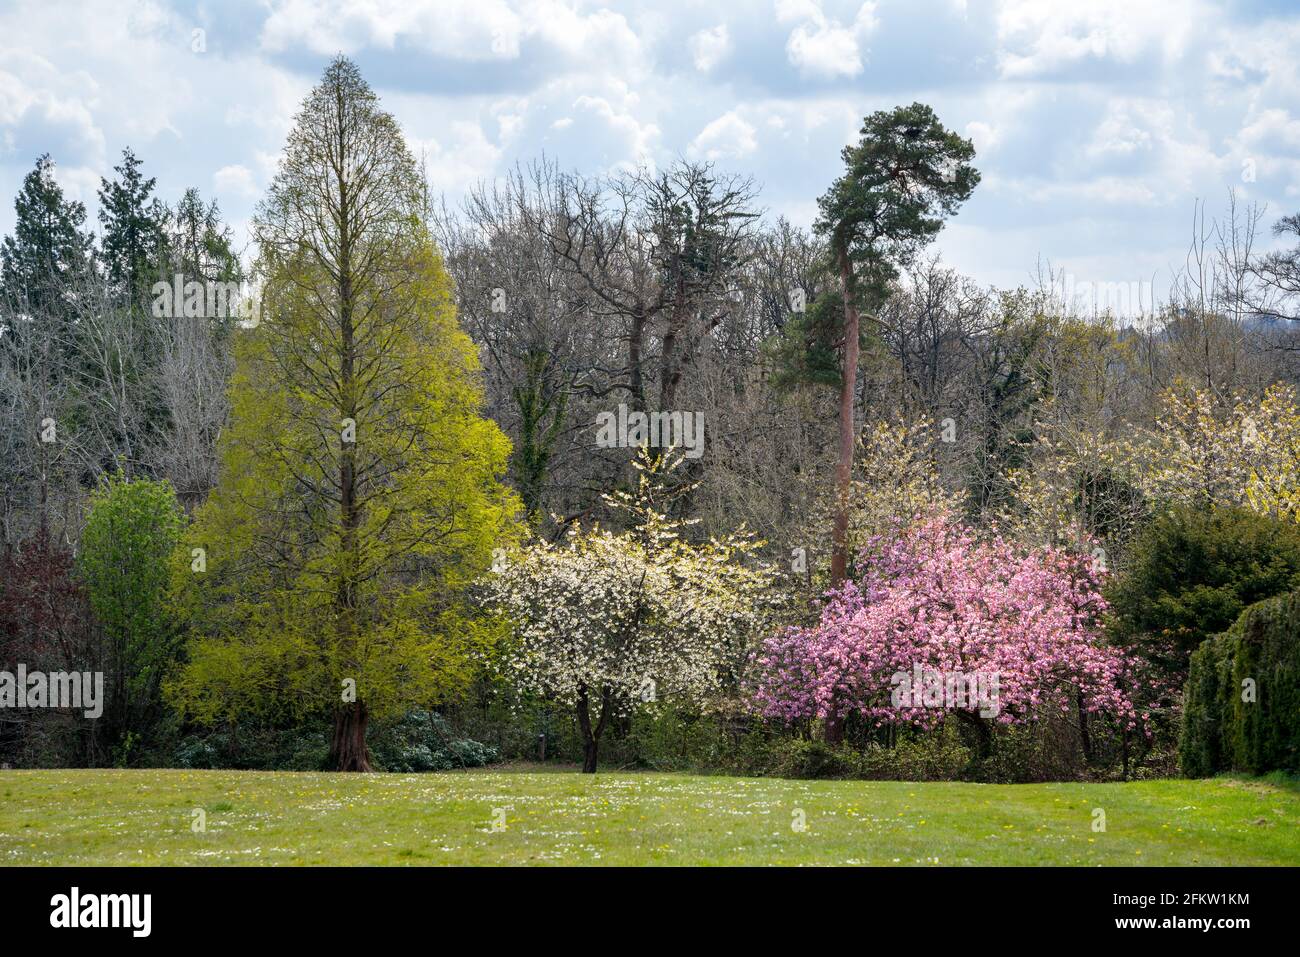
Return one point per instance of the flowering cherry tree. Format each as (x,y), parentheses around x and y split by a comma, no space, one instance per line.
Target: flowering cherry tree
(933,600)
(607,622)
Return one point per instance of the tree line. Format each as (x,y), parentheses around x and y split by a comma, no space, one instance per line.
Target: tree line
(377,488)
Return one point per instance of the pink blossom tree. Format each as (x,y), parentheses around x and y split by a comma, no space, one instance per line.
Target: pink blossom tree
(932,602)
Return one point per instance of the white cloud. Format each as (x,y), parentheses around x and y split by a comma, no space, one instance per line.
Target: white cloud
(1126,129)
(984,136)
(637,139)
(709,46)
(1272,130)
(456,162)
(1043,37)
(820,46)
(729,136)
(34,92)
(236,179)
(463,29)
(467,30)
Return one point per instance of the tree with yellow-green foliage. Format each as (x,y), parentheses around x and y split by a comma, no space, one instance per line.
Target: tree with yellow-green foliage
(359,491)
(1242,452)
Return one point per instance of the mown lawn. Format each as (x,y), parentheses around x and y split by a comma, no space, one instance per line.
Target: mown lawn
(526,817)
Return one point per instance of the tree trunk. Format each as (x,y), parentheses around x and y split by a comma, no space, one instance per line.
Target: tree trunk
(590,735)
(1085,739)
(834,729)
(348,752)
(983,734)
(635,346)
(848,433)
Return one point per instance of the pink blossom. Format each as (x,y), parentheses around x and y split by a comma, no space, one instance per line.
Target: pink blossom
(933,595)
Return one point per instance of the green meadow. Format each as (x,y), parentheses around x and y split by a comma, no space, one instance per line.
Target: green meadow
(529,817)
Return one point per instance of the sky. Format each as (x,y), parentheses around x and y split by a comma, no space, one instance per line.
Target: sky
(1099,126)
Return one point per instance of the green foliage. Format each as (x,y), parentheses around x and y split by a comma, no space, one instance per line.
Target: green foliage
(259,748)
(537,400)
(132,530)
(905,174)
(418,741)
(424,741)
(133,237)
(270,639)
(807,349)
(359,491)
(47,244)
(1192,572)
(198,244)
(922,757)
(1242,701)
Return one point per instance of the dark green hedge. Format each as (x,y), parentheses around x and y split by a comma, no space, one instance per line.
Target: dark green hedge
(1221,731)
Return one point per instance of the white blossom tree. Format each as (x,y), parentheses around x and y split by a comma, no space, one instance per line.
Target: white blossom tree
(608,622)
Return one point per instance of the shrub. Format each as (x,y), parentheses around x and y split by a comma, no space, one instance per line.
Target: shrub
(1242,700)
(801,758)
(915,756)
(938,756)
(254,748)
(195,752)
(422,741)
(1190,575)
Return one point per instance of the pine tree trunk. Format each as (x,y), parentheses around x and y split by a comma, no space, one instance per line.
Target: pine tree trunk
(348,752)
(848,432)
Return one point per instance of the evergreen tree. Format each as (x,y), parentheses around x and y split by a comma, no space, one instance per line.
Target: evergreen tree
(197,243)
(133,240)
(47,246)
(904,175)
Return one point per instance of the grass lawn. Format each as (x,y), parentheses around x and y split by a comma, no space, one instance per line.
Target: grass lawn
(145,817)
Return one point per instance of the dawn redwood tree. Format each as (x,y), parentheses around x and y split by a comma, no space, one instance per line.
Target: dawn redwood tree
(903,176)
(933,595)
(606,623)
(358,492)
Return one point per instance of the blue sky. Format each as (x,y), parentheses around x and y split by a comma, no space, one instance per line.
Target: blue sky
(1098,125)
